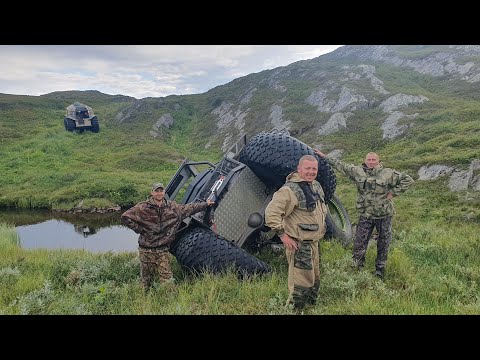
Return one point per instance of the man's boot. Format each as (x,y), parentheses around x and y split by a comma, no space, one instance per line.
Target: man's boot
(357,265)
(380,273)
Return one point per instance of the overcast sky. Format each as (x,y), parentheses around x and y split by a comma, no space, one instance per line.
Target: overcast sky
(139,70)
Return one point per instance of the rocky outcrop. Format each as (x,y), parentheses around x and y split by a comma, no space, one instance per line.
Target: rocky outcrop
(460,178)
(400,100)
(336,122)
(437,63)
(226,116)
(227,143)
(348,100)
(377,84)
(390,126)
(276,118)
(165,121)
(244,100)
(336,154)
(79,208)
(131,112)
(364,71)
(433,172)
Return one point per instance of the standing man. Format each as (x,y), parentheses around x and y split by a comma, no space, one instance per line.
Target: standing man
(157,220)
(296,214)
(376,187)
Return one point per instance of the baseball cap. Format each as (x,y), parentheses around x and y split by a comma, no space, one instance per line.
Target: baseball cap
(157,185)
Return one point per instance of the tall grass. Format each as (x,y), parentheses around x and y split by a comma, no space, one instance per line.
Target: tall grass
(432,269)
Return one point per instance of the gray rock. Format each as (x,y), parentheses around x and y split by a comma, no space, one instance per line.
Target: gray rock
(346,98)
(276,118)
(399,100)
(319,99)
(377,84)
(335,123)
(226,143)
(226,115)
(433,172)
(336,154)
(459,180)
(247,97)
(166,120)
(390,126)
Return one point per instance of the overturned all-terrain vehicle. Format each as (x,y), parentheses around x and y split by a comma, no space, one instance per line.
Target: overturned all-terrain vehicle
(242,184)
(80,117)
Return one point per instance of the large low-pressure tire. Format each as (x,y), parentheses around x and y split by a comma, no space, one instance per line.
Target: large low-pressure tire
(200,249)
(337,222)
(69,124)
(95,125)
(272,156)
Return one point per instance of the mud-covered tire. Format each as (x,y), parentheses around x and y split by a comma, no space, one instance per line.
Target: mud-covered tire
(272,156)
(337,222)
(95,125)
(200,249)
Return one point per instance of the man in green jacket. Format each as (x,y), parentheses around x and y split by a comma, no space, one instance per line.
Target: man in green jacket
(157,220)
(376,187)
(296,214)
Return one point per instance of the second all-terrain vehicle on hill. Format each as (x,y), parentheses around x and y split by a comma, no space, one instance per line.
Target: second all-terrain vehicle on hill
(242,184)
(80,117)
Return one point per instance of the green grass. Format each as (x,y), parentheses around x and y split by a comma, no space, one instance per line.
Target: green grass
(432,269)
(53,168)
(44,166)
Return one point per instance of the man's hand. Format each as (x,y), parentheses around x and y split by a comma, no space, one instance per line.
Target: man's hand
(319,153)
(210,202)
(389,196)
(289,243)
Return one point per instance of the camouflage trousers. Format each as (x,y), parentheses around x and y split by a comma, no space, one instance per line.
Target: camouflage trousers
(154,261)
(362,236)
(303,274)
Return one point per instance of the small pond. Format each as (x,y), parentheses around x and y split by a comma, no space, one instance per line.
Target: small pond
(39,229)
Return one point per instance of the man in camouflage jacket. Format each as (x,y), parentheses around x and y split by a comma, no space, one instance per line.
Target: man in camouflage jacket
(157,220)
(376,187)
(296,214)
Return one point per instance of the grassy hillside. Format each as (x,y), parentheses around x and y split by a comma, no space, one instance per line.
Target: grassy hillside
(44,166)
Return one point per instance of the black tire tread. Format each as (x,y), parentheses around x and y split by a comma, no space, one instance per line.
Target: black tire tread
(333,230)
(69,124)
(95,125)
(200,249)
(272,156)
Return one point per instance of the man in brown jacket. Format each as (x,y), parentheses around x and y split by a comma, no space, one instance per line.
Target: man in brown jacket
(297,215)
(157,220)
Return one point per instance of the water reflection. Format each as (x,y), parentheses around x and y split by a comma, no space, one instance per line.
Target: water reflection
(51,230)
(84,230)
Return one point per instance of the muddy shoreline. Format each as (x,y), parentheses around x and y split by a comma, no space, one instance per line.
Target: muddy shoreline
(90,210)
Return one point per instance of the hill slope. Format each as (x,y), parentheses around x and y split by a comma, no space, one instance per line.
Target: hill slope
(415,105)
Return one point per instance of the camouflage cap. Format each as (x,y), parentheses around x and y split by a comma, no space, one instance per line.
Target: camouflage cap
(157,185)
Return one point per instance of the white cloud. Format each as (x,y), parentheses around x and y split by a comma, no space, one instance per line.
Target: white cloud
(139,70)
